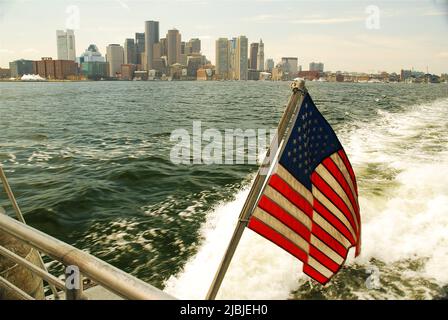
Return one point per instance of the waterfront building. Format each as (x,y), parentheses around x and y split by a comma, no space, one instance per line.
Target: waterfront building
(309,75)
(66,45)
(20,67)
(222,54)
(139,47)
(92,54)
(253,74)
(270,64)
(55,69)
(115,58)
(290,65)
(94,70)
(241,62)
(151,37)
(260,57)
(317,66)
(253,56)
(127,71)
(173,38)
(5,73)
(205,73)
(130,53)
(194,62)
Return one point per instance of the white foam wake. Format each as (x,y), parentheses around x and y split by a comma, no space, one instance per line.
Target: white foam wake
(406,218)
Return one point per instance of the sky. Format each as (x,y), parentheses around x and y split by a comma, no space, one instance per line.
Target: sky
(346,35)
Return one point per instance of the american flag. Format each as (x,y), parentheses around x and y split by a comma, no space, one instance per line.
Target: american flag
(309,205)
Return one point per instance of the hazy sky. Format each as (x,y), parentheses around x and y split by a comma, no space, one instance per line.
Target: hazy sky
(345,35)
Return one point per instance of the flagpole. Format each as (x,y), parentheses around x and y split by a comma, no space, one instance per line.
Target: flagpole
(298,91)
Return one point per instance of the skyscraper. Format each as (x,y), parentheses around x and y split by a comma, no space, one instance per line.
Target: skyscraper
(232,58)
(173,39)
(241,63)
(151,37)
(139,46)
(270,64)
(223,58)
(260,58)
(317,66)
(195,45)
(66,45)
(115,58)
(253,56)
(130,54)
(290,65)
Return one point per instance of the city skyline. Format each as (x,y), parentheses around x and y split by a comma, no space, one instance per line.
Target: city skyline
(341,40)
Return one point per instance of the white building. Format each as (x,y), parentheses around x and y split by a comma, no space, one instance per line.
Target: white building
(115,58)
(260,57)
(66,45)
(92,54)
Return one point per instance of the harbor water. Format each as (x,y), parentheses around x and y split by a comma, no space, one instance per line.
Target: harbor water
(89,163)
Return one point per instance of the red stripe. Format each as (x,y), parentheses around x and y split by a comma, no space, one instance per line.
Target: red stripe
(310,271)
(326,238)
(333,220)
(324,260)
(334,198)
(276,211)
(337,174)
(288,192)
(349,168)
(272,235)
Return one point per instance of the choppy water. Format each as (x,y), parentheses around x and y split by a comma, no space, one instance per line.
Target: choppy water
(89,163)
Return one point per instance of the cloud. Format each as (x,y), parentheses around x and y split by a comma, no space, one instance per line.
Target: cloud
(327,20)
(6,51)
(30,50)
(442,55)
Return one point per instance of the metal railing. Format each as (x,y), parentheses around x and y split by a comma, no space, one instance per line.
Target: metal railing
(100,272)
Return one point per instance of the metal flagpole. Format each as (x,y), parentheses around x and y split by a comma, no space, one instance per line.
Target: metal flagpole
(20,217)
(295,100)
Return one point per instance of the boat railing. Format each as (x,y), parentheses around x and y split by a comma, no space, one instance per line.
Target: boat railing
(79,264)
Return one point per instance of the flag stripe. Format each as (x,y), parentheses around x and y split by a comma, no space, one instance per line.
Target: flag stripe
(332,202)
(340,164)
(313,273)
(296,185)
(338,175)
(337,188)
(344,158)
(282,229)
(332,225)
(327,250)
(334,214)
(326,238)
(288,192)
(319,267)
(278,198)
(323,259)
(273,236)
(275,210)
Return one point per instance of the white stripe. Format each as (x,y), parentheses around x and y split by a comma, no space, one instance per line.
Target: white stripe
(281,228)
(289,207)
(325,249)
(324,224)
(333,210)
(319,267)
(341,165)
(294,183)
(332,182)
